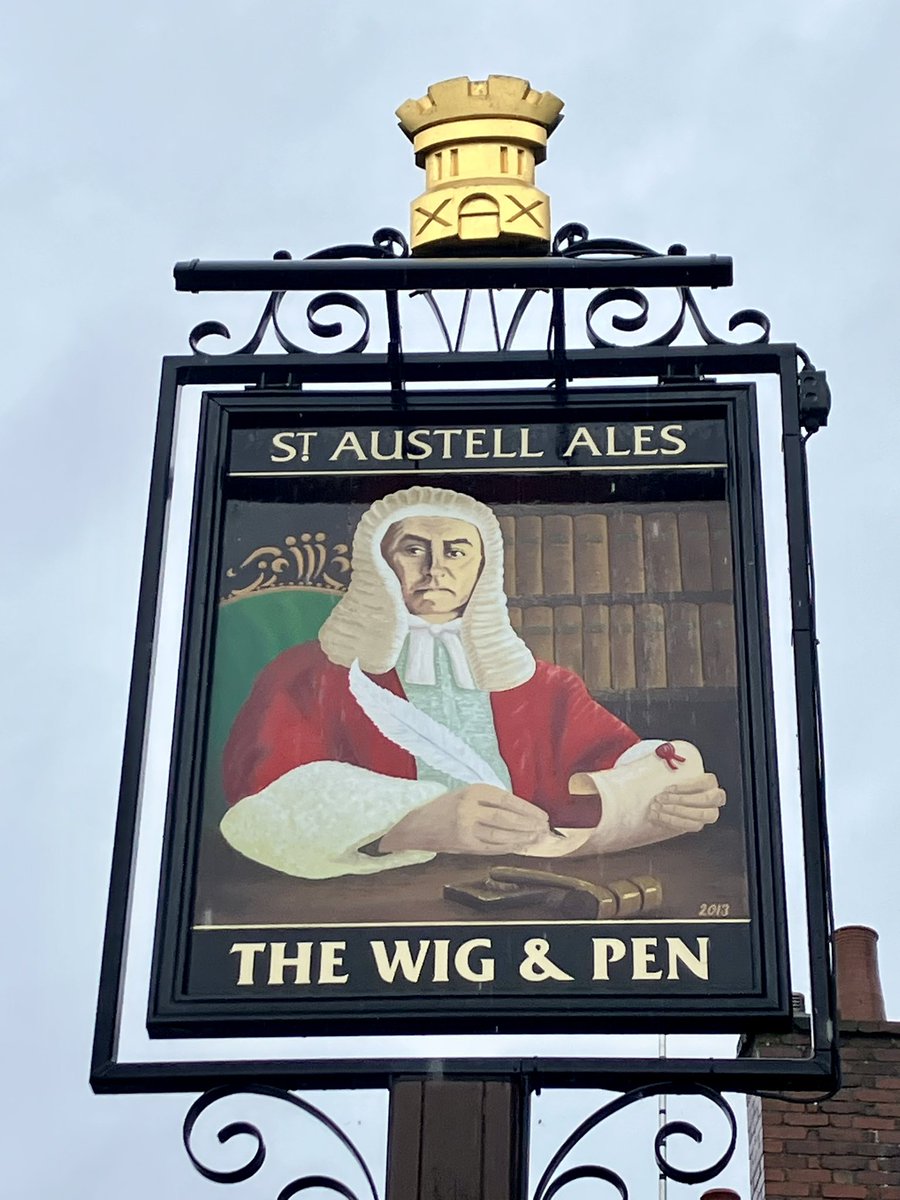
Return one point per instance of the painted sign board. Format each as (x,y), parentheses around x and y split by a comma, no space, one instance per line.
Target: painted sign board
(474,726)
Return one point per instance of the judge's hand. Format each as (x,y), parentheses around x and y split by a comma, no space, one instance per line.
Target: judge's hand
(688,807)
(478,819)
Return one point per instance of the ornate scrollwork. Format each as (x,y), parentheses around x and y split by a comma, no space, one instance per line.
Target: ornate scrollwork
(386,243)
(688,306)
(503,341)
(254,1163)
(330,329)
(551,1183)
(306,560)
(572,241)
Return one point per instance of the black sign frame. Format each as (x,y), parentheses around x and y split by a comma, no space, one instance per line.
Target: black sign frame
(762,1000)
(109,1074)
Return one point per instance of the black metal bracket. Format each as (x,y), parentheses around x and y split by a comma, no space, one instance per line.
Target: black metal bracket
(620,269)
(553,1180)
(615,269)
(815,399)
(258,1157)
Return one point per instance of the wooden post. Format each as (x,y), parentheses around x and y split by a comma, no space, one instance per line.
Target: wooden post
(458,1139)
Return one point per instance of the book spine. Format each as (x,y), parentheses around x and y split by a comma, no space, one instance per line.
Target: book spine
(650,646)
(508,530)
(567,637)
(591,544)
(537,632)
(558,555)
(621,647)
(683,653)
(693,539)
(529,556)
(515,617)
(720,547)
(717,640)
(626,553)
(597,666)
(662,559)
(647,638)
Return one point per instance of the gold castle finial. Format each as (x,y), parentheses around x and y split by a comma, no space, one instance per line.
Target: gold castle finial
(479,141)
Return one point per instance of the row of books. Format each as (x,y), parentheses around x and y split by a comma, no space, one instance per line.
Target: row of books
(614,647)
(685,548)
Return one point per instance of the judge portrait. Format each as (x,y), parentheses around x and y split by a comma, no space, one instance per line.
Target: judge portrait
(420,723)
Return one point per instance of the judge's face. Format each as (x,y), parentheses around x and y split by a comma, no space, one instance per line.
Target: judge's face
(438,561)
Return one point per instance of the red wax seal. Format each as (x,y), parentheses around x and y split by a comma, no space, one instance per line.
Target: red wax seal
(669,755)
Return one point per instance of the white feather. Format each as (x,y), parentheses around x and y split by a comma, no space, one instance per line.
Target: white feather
(418,734)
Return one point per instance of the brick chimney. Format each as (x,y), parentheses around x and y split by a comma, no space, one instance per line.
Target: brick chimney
(848,1147)
(859,992)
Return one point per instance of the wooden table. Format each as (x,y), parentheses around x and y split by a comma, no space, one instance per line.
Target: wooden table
(694,871)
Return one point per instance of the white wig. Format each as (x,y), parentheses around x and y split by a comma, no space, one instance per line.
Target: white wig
(370,621)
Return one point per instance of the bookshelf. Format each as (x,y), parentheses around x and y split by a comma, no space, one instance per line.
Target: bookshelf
(633,598)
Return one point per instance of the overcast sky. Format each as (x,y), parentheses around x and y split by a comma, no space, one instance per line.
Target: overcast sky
(135,136)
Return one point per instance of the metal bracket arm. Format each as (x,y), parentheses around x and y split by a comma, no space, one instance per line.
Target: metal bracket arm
(289,275)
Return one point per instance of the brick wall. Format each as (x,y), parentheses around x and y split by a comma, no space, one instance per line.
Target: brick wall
(848,1147)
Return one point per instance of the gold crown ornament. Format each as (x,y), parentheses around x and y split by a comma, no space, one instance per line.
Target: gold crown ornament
(479,141)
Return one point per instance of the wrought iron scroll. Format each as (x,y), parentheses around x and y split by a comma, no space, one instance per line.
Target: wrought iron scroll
(250,1168)
(502,341)
(572,241)
(551,1183)
(386,243)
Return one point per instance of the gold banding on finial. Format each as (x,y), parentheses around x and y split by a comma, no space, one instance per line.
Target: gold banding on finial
(479,141)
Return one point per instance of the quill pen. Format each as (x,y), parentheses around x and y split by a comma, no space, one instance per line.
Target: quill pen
(418,734)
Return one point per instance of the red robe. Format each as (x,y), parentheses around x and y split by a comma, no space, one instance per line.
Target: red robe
(301,710)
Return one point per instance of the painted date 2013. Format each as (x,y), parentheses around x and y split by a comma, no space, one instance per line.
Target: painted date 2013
(714,910)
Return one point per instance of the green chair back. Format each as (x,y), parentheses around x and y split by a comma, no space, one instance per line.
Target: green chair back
(250,632)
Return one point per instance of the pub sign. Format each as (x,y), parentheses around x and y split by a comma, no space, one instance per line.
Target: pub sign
(474,724)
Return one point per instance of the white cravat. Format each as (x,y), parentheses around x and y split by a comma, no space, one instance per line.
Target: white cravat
(420,656)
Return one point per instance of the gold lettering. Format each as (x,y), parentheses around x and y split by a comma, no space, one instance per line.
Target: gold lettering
(606,951)
(248,952)
(279,443)
(278,961)
(644,952)
(448,435)
(476,437)
(402,960)
(611,444)
(375,447)
(697,964)
(350,442)
(524,435)
(332,959)
(441,960)
(462,961)
(305,435)
(582,440)
(498,446)
(642,440)
(415,439)
(537,965)
(668,434)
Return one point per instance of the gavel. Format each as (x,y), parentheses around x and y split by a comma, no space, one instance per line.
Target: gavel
(567,896)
